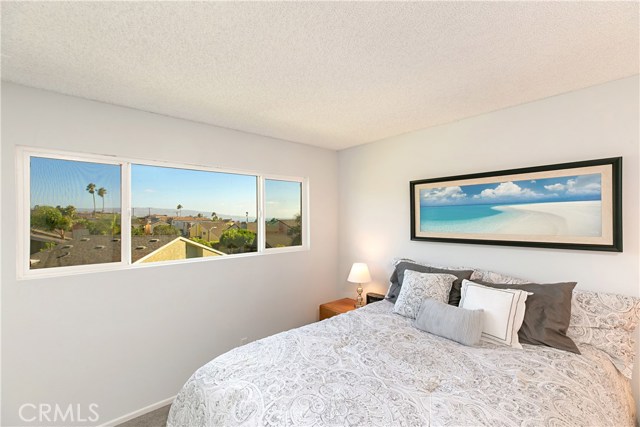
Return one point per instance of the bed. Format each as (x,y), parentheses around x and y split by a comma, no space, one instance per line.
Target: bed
(372,367)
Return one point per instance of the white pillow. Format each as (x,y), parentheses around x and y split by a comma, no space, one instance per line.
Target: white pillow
(418,286)
(503,311)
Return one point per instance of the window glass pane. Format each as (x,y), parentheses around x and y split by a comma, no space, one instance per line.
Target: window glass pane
(74,213)
(184,213)
(283,216)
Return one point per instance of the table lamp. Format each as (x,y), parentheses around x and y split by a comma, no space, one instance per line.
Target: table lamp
(359,274)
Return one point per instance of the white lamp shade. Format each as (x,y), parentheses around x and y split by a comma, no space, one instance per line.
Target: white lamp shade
(359,273)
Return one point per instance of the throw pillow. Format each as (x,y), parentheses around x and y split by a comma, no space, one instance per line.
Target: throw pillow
(455,323)
(417,286)
(503,311)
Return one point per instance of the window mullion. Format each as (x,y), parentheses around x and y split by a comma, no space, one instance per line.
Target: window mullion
(23,169)
(306,214)
(261,229)
(125,214)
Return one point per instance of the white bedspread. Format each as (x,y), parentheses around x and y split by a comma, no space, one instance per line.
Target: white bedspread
(370,367)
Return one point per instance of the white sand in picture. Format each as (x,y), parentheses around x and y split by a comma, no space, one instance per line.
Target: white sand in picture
(582,218)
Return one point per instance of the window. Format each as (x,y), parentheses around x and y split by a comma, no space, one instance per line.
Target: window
(74,206)
(74,214)
(191,213)
(283,213)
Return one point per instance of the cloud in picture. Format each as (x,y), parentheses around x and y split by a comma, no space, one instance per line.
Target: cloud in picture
(507,190)
(444,194)
(578,185)
(555,187)
(585,184)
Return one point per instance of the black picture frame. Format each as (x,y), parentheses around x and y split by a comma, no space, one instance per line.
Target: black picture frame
(541,222)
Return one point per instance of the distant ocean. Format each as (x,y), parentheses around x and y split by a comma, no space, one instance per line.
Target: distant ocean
(462,218)
(458,213)
(578,218)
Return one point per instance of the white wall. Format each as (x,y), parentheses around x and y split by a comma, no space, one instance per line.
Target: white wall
(128,339)
(597,122)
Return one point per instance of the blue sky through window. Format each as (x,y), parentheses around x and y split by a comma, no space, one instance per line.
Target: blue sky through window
(282,198)
(197,191)
(63,182)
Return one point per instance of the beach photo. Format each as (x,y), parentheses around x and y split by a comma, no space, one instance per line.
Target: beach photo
(568,206)
(550,205)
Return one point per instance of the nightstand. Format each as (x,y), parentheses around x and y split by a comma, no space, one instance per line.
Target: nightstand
(373,297)
(336,307)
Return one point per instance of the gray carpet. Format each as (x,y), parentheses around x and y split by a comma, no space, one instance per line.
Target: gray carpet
(157,418)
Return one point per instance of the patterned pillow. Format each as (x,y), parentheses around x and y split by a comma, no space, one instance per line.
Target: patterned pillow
(418,286)
(606,321)
(493,277)
(397,277)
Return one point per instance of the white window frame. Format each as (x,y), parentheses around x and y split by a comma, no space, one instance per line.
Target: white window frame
(23,205)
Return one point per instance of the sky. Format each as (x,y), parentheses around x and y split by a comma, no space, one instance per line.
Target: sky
(558,189)
(206,192)
(64,182)
(282,199)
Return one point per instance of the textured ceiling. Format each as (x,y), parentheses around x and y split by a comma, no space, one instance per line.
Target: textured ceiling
(332,74)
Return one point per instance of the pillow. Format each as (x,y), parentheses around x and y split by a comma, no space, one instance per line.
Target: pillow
(493,277)
(503,311)
(484,275)
(398,276)
(418,286)
(606,321)
(455,323)
(547,316)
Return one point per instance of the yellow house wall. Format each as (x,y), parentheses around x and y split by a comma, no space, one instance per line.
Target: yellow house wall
(194,231)
(179,250)
(172,251)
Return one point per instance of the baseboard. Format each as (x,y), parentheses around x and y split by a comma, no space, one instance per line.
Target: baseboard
(139,412)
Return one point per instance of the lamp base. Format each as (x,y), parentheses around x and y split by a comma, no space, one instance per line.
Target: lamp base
(359,300)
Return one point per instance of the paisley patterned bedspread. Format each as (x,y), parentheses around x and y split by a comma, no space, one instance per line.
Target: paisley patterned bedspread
(370,367)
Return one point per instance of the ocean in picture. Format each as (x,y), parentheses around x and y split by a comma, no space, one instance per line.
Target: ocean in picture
(561,206)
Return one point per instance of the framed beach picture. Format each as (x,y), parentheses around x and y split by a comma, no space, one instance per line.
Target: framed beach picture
(571,205)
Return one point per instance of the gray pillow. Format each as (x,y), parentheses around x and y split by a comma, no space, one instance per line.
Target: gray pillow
(455,323)
(398,276)
(548,314)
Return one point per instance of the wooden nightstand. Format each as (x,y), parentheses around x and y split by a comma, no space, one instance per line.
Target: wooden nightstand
(336,307)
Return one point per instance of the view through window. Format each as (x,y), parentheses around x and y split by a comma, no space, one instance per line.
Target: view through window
(74,213)
(183,213)
(283,213)
(73,206)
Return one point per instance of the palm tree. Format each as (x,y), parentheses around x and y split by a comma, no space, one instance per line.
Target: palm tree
(179,207)
(91,188)
(101,192)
